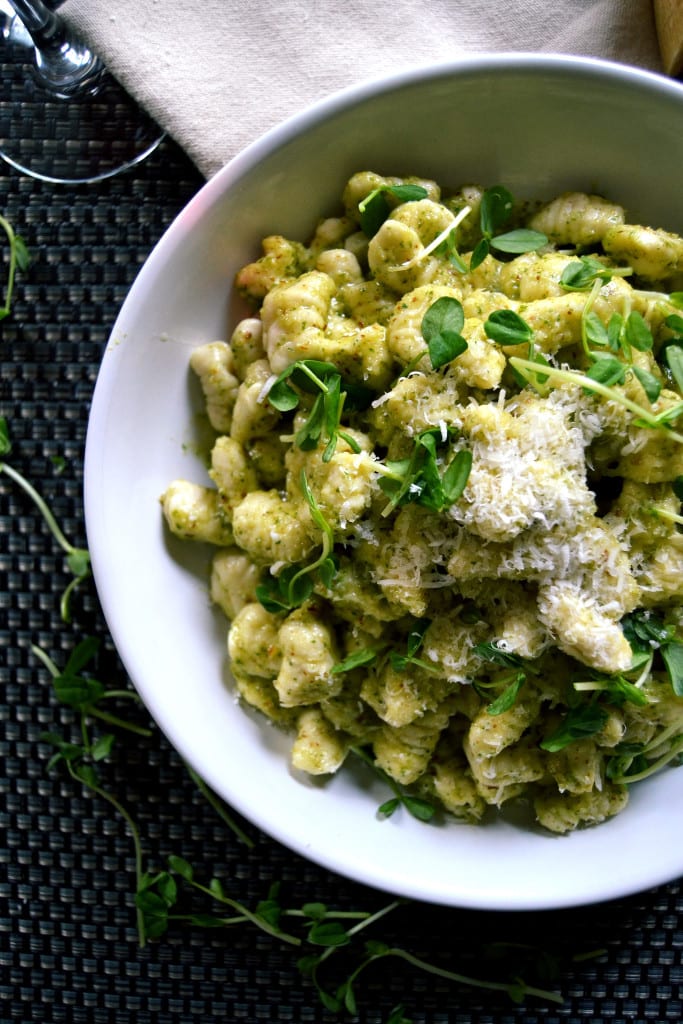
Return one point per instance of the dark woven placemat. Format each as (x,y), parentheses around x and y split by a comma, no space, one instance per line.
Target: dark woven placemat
(68,942)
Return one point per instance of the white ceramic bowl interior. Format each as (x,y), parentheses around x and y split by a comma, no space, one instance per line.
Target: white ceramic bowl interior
(539,125)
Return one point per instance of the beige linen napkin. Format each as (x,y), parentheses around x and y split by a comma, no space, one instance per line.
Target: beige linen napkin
(216,74)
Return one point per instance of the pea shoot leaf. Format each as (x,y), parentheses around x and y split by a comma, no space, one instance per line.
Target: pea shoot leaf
(414,640)
(441,327)
(420,479)
(672,655)
(454,480)
(491,651)
(651,386)
(518,241)
(495,210)
(323,422)
(19,259)
(579,275)
(5,442)
(508,698)
(673,357)
(363,656)
(607,369)
(374,209)
(506,327)
(580,722)
(637,333)
(594,331)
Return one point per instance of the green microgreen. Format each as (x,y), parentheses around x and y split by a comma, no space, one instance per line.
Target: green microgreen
(608,348)
(671,353)
(581,274)
(19,259)
(85,695)
(494,212)
(633,762)
(506,327)
(219,807)
(441,327)
(363,656)
(375,208)
(579,723)
(77,559)
(419,478)
(332,394)
(508,697)
(82,692)
(543,379)
(344,996)
(647,633)
(489,650)
(295,583)
(400,660)
(416,806)
(617,689)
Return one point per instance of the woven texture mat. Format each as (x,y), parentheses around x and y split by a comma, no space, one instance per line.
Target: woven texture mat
(69,948)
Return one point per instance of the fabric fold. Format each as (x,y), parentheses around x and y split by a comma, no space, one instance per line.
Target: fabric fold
(217,74)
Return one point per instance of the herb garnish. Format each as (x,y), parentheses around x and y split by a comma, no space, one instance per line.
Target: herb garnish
(508,697)
(646,633)
(441,327)
(84,694)
(19,259)
(580,722)
(294,584)
(494,212)
(375,209)
(541,377)
(419,808)
(672,350)
(77,559)
(418,478)
(332,392)
(581,274)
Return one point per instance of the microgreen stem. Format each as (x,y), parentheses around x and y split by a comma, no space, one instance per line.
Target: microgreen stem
(132,828)
(595,289)
(12,266)
(42,506)
(120,723)
(313,377)
(664,513)
(661,762)
(46,660)
(663,737)
(529,369)
(326,529)
(78,559)
(247,915)
(219,807)
(365,923)
(464,979)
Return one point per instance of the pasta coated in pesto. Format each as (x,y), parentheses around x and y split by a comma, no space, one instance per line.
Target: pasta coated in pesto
(445,495)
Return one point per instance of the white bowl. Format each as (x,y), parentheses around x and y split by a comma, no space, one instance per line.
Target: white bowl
(539,125)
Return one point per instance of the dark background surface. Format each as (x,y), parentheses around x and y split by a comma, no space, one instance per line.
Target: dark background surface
(68,942)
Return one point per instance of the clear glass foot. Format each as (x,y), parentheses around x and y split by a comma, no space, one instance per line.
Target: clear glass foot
(63,117)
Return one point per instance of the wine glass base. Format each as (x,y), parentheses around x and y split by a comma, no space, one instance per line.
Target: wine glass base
(76,141)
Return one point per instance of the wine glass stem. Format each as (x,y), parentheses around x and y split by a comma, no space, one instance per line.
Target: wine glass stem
(45,28)
(64,66)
